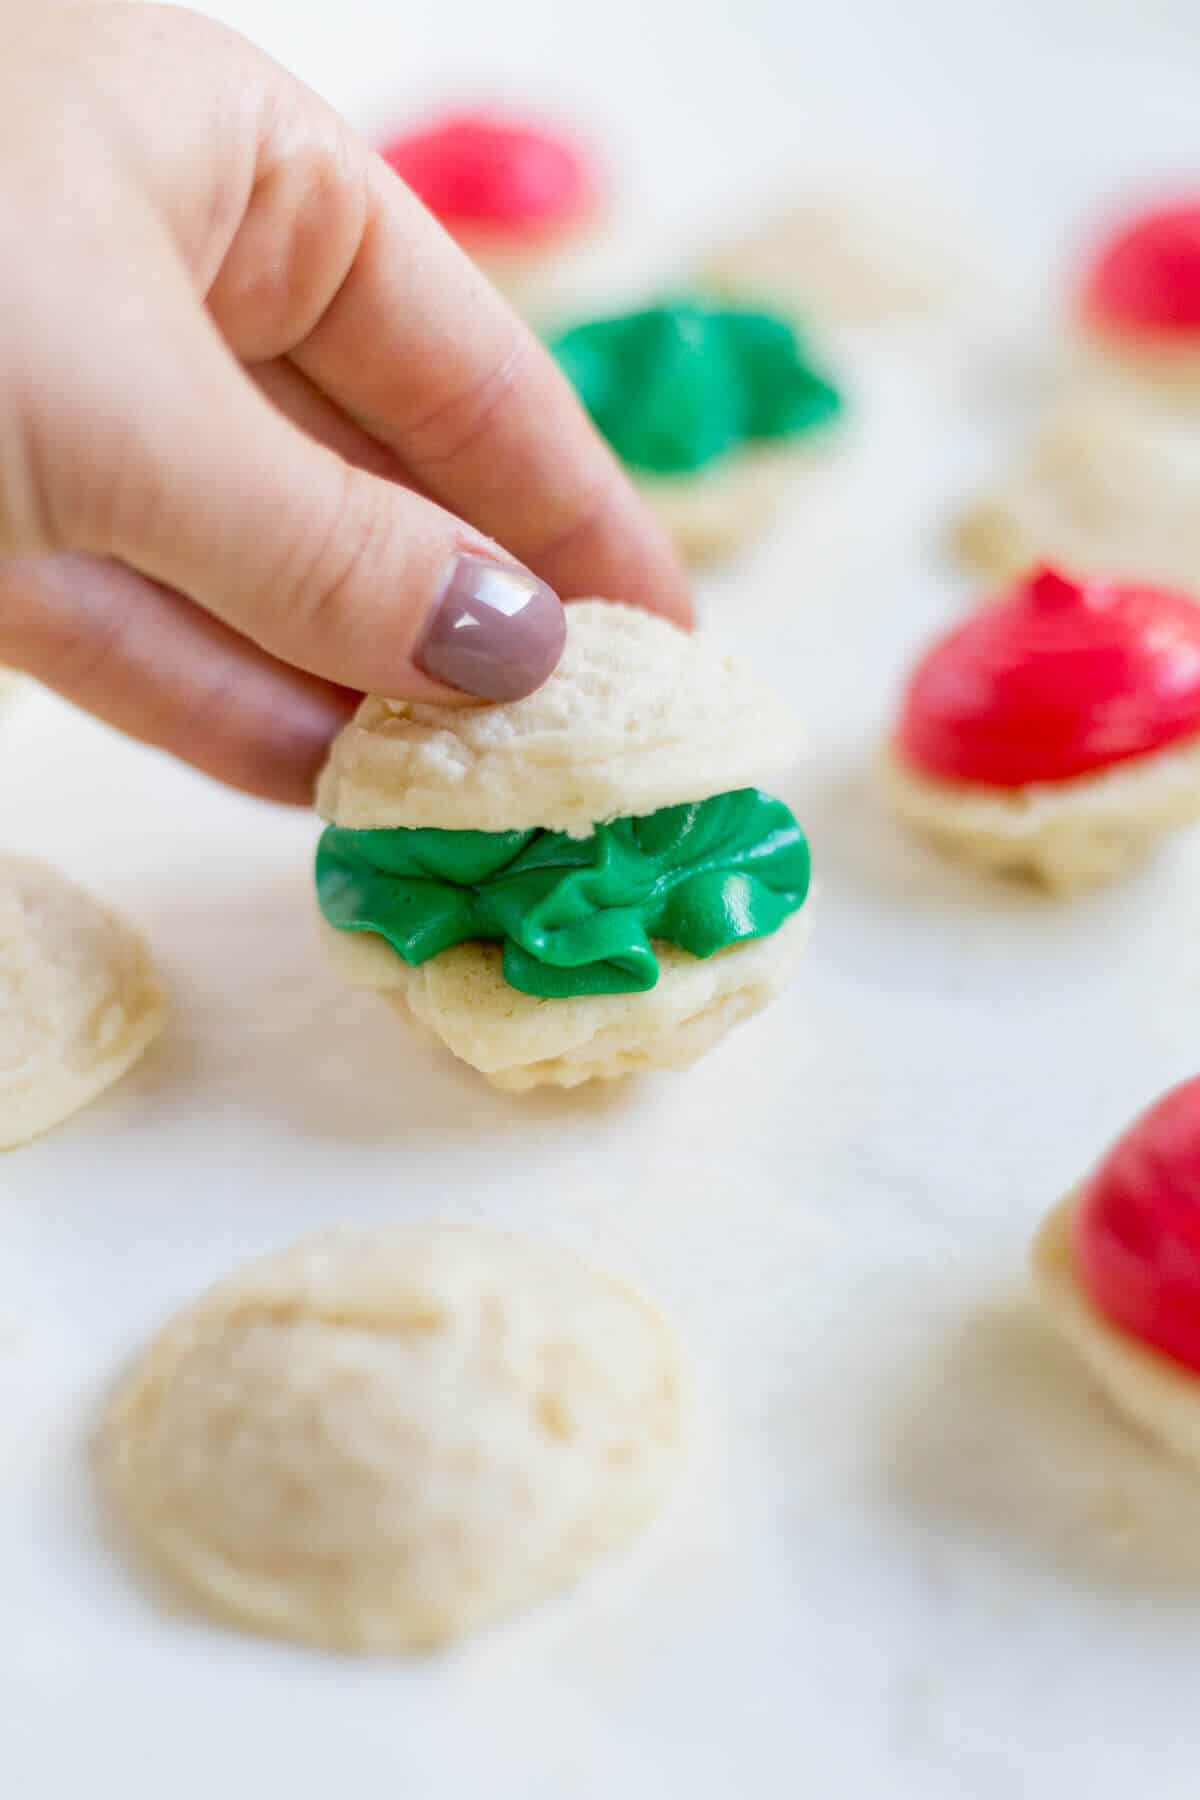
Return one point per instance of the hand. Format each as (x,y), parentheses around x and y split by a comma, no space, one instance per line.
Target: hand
(264,428)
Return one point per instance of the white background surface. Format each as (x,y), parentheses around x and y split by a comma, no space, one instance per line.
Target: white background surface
(929,1564)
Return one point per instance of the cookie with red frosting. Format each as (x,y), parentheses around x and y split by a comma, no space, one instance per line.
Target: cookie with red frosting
(1118,1266)
(1139,299)
(1055,733)
(514,193)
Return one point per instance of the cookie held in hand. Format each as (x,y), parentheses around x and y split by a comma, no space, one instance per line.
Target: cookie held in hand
(583,883)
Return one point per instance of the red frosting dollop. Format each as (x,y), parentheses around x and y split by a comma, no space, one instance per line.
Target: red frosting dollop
(1137,1228)
(1147,277)
(1059,678)
(482,171)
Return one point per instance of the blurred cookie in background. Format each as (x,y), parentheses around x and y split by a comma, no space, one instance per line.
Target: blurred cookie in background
(80,1000)
(851,257)
(1108,485)
(1137,308)
(520,196)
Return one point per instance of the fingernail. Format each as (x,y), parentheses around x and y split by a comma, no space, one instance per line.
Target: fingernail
(496,632)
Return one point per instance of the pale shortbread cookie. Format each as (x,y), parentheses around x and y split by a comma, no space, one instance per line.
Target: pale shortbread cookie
(519,1041)
(1066,834)
(711,512)
(842,258)
(1162,369)
(1157,1394)
(1108,487)
(638,715)
(79,999)
(379,1441)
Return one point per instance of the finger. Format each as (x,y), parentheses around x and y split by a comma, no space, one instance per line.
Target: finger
(326,566)
(159,669)
(295,396)
(418,349)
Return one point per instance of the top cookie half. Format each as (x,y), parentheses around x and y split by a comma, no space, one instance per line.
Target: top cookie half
(638,715)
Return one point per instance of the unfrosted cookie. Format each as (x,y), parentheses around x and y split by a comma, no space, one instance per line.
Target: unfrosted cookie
(638,715)
(520,1041)
(1056,733)
(1108,486)
(1116,1266)
(380,1441)
(79,999)
(843,258)
(577,885)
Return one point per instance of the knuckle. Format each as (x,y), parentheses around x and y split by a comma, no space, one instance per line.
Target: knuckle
(582,512)
(464,417)
(300,233)
(335,563)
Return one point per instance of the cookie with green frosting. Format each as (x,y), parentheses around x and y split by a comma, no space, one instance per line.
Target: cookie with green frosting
(579,883)
(674,387)
(707,406)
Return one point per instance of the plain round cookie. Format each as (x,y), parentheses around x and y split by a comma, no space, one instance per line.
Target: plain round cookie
(1108,487)
(79,999)
(638,715)
(1161,1397)
(1068,835)
(844,257)
(519,1041)
(378,1441)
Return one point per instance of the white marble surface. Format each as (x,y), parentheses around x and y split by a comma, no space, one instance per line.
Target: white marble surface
(927,1563)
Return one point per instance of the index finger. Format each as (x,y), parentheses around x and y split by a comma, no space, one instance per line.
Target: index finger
(421,351)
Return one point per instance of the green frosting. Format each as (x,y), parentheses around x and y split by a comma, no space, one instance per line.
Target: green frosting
(575,915)
(675,386)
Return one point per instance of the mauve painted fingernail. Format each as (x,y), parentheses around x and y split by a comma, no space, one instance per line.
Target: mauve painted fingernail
(497,631)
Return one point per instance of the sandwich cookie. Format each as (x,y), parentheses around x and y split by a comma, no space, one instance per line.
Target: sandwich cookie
(716,412)
(517,196)
(378,1441)
(1117,1265)
(79,999)
(582,883)
(1055,734)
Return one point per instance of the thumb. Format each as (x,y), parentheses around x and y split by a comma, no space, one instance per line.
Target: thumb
(332,569)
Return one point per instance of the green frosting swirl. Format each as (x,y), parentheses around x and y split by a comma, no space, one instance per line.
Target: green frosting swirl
(575,916)
(674,386)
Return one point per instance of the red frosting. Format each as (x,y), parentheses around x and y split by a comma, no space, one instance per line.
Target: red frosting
(1147,277)
(1137,1228)
(1057,679)
(480,171)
